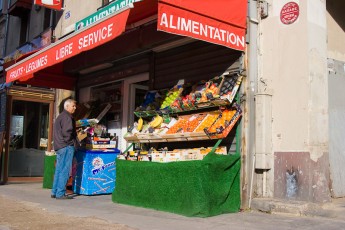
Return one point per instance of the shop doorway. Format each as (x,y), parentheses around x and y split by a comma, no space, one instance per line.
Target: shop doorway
(136,86)
(137,95)
(28,139)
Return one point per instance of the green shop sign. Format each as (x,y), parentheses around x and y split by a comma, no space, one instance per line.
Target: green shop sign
(104,12)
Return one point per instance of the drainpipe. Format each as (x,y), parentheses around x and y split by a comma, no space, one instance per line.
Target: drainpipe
(263,115)
(252,89)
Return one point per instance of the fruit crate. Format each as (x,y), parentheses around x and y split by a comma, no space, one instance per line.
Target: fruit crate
(131,137)
(207,122)
(184,136)
(187,123)
(149,137)
(226,92)
(219,131)
(229,87)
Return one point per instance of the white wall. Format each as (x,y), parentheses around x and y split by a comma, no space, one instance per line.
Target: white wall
(75,10)
(293,69)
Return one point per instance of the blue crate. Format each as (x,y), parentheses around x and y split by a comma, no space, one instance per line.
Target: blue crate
(95,172)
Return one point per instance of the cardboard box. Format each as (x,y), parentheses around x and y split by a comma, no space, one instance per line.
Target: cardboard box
(191,154)
(157,157)
(172,156)
(93,121)
(81,135)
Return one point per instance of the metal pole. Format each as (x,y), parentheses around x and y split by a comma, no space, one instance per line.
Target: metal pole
(252,90)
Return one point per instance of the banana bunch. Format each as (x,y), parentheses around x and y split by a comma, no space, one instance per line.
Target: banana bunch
(157,121)
(140,124)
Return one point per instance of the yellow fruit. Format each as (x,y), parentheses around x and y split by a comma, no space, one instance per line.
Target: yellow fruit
(140,124)
(157,121)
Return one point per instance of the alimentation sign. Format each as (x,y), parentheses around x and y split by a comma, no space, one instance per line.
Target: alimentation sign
(104,12)
(187,23)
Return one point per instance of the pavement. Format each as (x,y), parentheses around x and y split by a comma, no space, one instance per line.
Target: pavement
(334,209)
(329,216)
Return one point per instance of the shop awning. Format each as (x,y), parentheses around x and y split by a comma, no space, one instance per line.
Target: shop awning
(85,39)
(221,22)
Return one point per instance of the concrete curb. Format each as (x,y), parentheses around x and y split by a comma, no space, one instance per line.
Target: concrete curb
(297,208)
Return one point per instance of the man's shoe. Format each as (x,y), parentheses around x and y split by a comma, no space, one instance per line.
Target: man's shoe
(52,196)
(64,197)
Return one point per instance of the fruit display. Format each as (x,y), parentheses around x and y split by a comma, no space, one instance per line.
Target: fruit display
(186,124)
(212,89)
(228,85)
(156,121)
(140,124)
(168,125)
(179,126)
(171,96)
(185,101)
(222,122)
(208,121)
(193,122)
(199,91)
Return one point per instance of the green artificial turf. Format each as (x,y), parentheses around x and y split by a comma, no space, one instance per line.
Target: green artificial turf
(49,169)
(191,188)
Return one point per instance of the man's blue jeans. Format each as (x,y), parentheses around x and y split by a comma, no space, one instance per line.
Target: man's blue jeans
(64,158)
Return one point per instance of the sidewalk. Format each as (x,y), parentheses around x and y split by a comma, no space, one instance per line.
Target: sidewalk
(335,209)
(102,207)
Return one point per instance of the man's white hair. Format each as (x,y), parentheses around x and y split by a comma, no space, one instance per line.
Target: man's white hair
(68,102)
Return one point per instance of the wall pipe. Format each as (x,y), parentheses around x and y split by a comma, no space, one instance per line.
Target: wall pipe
(252,78)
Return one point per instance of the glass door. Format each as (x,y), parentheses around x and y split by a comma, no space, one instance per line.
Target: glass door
(29,132)
(135,88)
(137,95)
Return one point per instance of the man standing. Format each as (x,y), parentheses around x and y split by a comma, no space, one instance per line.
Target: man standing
(65,137)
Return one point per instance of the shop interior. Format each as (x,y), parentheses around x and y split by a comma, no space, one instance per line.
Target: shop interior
(28,138)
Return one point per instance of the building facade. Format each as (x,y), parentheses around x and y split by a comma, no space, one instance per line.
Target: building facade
(299,108)
(291,130)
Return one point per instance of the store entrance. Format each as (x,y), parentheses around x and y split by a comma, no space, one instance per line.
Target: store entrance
(135,88)
(29,131)
(137,95)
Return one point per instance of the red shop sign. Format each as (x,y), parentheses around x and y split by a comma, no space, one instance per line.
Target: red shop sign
(51,4)
(289,13)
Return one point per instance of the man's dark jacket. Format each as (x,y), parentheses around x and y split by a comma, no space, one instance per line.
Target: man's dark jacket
(64,131)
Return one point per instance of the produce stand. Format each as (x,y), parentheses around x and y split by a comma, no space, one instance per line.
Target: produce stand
(202,188)
(195,180)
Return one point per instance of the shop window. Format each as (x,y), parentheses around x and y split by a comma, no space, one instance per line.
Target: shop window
(109,94)
(105,2)
(46,19)
(24,26)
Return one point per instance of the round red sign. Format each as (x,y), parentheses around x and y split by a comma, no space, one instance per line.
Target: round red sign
(289,13)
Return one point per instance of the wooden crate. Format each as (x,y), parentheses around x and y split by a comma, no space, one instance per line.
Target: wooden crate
(228,128)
